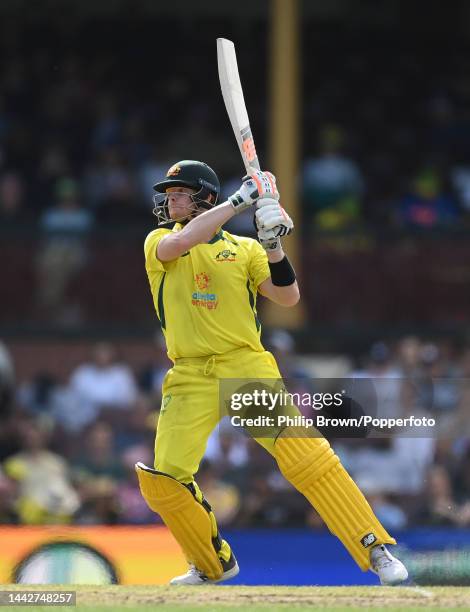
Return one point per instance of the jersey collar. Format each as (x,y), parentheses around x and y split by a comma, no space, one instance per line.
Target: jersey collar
(218,236)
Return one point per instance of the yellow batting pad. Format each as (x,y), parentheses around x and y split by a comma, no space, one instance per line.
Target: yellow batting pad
(311,465)
(192,525)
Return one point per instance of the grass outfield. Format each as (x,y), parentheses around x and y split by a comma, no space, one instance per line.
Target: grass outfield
(255,599)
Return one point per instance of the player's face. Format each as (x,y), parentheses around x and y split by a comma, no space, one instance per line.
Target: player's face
(180,204)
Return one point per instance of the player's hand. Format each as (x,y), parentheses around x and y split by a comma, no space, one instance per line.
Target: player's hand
(258,185)
(271,222)
(267,187)
(268,240)
(270,215)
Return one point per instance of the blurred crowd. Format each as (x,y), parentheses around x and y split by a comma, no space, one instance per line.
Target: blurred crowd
(86,130)
(68,447)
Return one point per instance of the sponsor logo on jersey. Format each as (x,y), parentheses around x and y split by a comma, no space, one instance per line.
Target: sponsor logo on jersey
(202,281)
(225,255)
(203,298)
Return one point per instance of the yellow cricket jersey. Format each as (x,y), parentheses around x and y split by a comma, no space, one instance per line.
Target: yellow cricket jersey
(206,298)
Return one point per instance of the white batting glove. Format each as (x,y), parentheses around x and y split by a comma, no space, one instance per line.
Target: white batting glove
(258,185)
(270,215)
(268,188)
(268,240)
(271,222)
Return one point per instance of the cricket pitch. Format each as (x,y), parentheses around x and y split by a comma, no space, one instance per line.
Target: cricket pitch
(255,599)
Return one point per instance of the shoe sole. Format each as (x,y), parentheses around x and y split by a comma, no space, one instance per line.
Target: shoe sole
(395,582)
(178,584)
(231,573)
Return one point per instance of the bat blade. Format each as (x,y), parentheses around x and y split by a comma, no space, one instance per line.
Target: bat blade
(232,93)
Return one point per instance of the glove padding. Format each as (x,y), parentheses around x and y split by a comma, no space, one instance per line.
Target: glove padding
(270,215)
(271,222)
(258,185)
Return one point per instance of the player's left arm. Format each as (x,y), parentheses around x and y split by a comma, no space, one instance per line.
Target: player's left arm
(282,271)
(272,222)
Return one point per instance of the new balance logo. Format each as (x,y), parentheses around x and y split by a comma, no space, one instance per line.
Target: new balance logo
(368,539)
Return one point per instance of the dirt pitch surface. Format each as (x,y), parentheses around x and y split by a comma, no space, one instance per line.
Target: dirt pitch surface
(254,599)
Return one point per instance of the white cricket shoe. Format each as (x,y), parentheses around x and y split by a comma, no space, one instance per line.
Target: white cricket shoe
(195,577)
(389,569)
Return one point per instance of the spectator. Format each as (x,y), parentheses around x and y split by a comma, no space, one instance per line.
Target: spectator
(63,253)
(460,178)
(386,383)
(67,216)
(223,497)
(97,471)
(439,387)
(52,167)
(152,375)
(7,381)
(427,206)
(99,503)
(104,382)
(98,458)
(457,425)
(36,396)
(108,127)
(408,357)
(133,509)
(439,506)
(109,186)
(137,427)
(282,344)
(227,449)
(70,410)
(8,491)
(462,478)
(389,513)
(332,184)
(12,205)
(270,503)
(153,167)
(45,493)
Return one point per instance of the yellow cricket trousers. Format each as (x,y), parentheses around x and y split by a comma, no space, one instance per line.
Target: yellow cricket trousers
(190,406)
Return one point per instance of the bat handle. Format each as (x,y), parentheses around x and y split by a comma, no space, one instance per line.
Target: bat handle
(252,169)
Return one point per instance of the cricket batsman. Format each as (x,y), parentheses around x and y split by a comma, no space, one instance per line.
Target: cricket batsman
(204,284)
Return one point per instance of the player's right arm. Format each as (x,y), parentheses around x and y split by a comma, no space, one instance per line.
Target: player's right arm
(203,227)
(198,230)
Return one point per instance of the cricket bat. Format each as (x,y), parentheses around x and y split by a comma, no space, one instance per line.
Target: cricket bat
(232,93)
